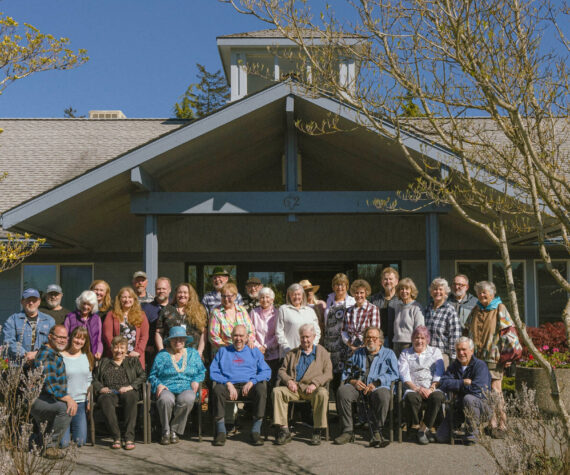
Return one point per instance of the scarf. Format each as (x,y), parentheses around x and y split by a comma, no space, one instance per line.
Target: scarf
(492,306)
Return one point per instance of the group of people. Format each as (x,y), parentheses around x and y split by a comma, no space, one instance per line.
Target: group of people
(352,346)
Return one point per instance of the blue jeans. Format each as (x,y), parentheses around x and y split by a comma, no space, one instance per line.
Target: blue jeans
(78,427)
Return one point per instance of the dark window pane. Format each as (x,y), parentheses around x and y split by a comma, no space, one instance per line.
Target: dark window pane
(551,298)
(192,276)
(208,269)
(501,283)
(74,279)
(274,280)
(39,276)
(476,271)
(371,273)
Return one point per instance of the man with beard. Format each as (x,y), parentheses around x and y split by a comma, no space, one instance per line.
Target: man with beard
(139,283)
(252,288)
(462,301)
(386,302)
(370,371)
(52,304)
(213,299)
(162,289)
(54,405)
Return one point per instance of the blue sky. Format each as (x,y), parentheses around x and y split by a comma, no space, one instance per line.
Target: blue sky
(143,53)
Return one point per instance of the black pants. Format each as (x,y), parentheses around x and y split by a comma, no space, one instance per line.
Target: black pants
(109,404)
(414,404)
(257,394)
(378,400)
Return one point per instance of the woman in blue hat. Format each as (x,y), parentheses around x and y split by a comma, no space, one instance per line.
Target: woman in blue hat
(175,377)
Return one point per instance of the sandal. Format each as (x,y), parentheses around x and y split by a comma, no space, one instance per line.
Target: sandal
(116,445)
(129,445)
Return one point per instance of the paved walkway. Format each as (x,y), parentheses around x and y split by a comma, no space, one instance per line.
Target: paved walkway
(237,457)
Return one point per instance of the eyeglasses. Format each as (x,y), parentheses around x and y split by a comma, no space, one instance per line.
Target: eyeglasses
(373,338)
(59,337)
(231,296)
(455,284)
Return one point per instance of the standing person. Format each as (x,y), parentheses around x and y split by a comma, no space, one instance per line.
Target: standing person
(79,364)
(54,405)
(291,316)
(359,317)
(119,379)
(264,319)
(213,299)
(387,301)
(86,316)
(51,304)
(313,301)
(175,379)
(408,315)
(140,283)
(26,331)
(186,312)
(461,299)
(338,305)
(441,320)
(103,293)
(162,289)
(488,326)
(252,288)
(224,318)
(127,319)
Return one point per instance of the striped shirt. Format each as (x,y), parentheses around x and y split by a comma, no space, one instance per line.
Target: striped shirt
(55,382)
(357,320)
(444,327)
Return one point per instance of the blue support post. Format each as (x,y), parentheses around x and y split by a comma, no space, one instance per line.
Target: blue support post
(432,248)
(151,249)
(291,182)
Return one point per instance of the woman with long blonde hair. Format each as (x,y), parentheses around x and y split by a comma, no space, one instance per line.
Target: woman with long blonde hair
(103,292)
(186,311)
(127,319)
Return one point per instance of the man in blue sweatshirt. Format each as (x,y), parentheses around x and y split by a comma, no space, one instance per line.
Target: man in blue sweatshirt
(469,379)
(239,369)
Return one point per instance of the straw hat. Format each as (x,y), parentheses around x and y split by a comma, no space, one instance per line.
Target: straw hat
(306,284)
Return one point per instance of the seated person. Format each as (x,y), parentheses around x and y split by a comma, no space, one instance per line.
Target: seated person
(118,380)
(304,373)
(369,372)
(26,331)
(175,378)
(54,405)
(420,369)
(468,378)
(239,368)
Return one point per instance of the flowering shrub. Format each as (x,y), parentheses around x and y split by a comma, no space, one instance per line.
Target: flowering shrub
(550,339)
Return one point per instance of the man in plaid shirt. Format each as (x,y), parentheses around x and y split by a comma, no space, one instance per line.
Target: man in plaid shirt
(53,405)
(213,299)
(360,316)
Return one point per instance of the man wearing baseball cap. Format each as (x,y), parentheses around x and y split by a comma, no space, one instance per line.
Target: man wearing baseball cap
(51,304)
(26,331)
(213,299)
(140,281)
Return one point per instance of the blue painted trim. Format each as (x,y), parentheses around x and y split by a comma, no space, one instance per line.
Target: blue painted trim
(280,202)
(143,180)
(151,249)
(291,183)
(432,248)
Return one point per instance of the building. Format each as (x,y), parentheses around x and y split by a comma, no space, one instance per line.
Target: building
(242,188)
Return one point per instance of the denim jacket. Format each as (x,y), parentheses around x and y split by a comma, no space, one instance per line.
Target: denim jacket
(17,333)
(384,368)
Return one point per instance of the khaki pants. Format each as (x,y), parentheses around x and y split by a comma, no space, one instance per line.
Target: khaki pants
(319,401)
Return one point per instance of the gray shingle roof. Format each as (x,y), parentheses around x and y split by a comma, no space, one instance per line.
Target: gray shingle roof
(40,154)
(274,33)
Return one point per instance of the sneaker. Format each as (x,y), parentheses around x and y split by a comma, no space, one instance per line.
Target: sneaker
(220,439)
(316,438)
(431,437)
(344,438)
(422,438)
(284,437)
(256,439)
(165,439)
(174,439)
(375,440)
(469,439)
(53,453)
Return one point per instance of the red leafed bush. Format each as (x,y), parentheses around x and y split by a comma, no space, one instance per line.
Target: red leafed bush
(548,337)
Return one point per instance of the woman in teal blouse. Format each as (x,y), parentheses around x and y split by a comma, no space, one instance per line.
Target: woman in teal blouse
(175,377)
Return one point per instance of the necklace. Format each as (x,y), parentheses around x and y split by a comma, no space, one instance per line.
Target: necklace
(184,362)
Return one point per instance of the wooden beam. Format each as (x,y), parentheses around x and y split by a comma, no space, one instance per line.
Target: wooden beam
(279,202)
(143,180)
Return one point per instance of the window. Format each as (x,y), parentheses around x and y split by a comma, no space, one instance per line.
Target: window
(551,299)
(73,279)
(494,272)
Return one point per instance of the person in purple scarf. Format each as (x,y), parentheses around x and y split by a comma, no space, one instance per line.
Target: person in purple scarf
(86,316)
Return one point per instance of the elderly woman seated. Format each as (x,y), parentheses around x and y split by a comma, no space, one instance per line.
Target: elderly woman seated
(118,380)
(175,377)
(421,368)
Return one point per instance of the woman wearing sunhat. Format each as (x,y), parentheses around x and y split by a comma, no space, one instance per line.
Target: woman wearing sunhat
(175,377)
(319,306)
